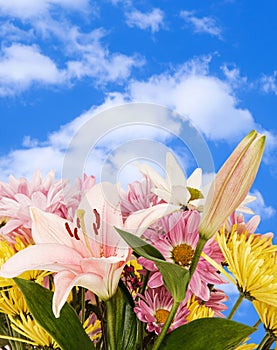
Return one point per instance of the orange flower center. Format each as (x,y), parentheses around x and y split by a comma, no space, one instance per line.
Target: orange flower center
(161,315)
(182,255)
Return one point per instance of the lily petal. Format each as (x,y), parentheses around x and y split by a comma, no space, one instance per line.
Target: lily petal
(50,228)
(48,257)
(102,212)
(65,281)
(140,220)
(175,173)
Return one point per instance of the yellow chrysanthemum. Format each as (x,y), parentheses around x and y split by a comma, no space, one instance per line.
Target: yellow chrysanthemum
(252,261)
(137,267)
(197,310)
(93,330)
(12,302)
(29,328)
(7,250)
(268,316)
(251,346)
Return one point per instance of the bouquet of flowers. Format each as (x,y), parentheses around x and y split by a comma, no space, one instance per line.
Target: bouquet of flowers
(91,266)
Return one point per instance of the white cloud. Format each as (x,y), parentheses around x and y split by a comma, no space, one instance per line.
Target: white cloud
(233,75)
(260,207)
(153,20)
(22,65)
(30,8)
(95,60)
(202,24)
(269,83)
(208,101)
(24,162)
(84,56)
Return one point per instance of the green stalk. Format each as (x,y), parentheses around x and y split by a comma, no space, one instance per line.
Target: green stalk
(236,306)
(256,325)
(266,342)
(83,292)
(111,325)
(200,245)
(166,325)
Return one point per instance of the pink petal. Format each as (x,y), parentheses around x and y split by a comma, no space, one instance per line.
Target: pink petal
(102,212)
(66,280)
(139,221)
(50,228)
(48,257)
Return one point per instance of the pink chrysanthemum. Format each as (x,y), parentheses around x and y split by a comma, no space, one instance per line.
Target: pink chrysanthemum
(137,197)
(48,194)
(242,226)
(153,308)
(216,302)
(177,245)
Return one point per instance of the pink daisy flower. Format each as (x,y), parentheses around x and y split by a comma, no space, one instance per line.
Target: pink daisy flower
(153,308)
(137,197)
(242,226)
(216,302)
(48,194)
(177,245)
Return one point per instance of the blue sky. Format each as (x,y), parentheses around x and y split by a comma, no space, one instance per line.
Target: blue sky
(62,61)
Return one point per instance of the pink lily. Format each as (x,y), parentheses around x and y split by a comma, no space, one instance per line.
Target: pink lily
(87,252)
(232,183)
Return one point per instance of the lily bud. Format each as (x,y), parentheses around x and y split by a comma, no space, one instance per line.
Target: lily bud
(232,183)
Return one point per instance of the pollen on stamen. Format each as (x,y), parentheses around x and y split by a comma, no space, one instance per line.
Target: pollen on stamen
(76,234)
(95,228)
(68,230)
(97,218)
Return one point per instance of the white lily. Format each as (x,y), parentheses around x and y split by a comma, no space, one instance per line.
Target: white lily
(175,188)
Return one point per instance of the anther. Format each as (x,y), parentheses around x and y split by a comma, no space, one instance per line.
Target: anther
(68,230)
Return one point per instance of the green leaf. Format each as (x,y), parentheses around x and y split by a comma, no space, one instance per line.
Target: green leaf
(207,333)
(175,277)
(126,322)
(140,246)
(67,329)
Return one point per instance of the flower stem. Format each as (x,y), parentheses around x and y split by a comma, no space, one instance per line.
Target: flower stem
(236,306)
(266,342)
(166,325)
(83,301)
(111,325)
(256,325)
(200,245)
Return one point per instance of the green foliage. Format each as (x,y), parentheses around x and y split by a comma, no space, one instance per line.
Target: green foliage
(67,329)
(175,277)
(126,322)
(207,333)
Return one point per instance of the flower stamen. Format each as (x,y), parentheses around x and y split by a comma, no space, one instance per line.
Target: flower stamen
(161,315)
(182,255)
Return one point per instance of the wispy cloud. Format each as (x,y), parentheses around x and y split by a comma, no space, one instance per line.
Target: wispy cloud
(202,24)
(81,55)
(31,8)
(209,102)
(260,207)
(269,83)
(233,75)
(21,65)
(153,20)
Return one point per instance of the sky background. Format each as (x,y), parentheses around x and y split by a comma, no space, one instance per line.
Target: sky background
(64,61)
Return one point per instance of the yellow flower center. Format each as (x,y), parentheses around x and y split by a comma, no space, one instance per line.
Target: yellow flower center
(182,255)
(161,315)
